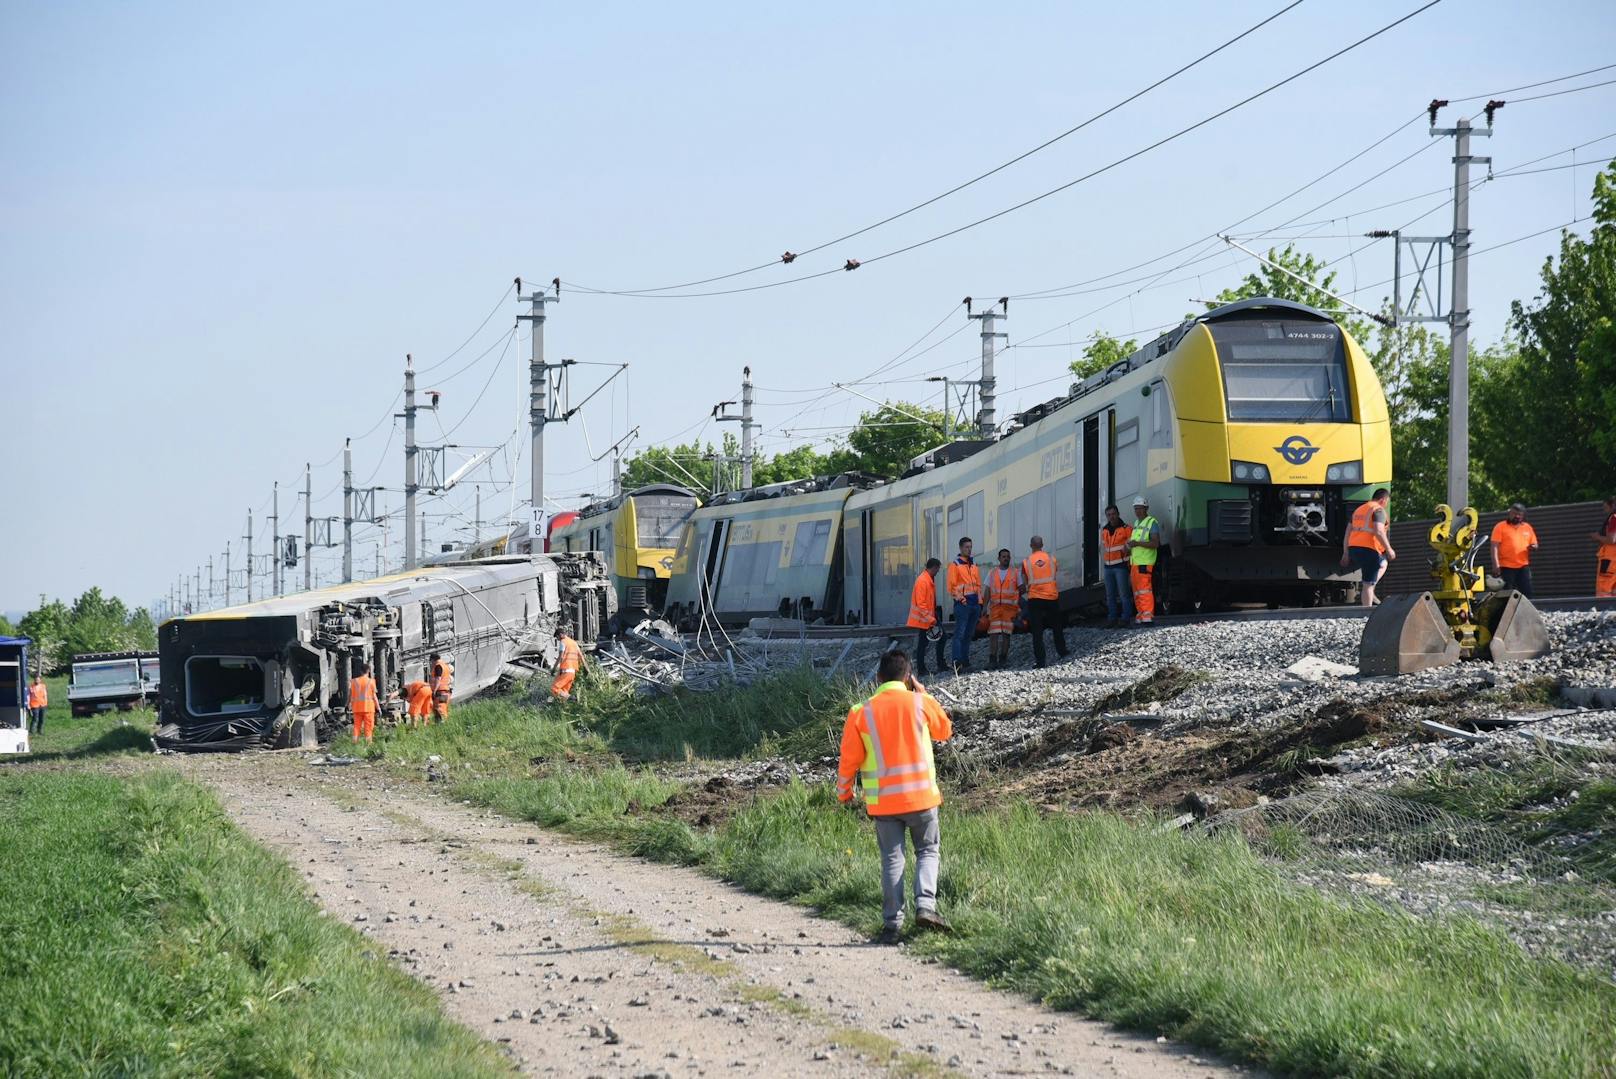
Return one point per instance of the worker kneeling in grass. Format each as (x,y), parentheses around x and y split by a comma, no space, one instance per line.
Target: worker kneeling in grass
(886,746)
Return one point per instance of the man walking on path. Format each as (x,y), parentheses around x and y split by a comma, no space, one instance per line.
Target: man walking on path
(1513,541)
(965,586)
(887,748)
(925,614)
(1143,542)
(1368,545)
(568,664)
(38,699)
(362,702)
(1605,559)
(1114,554)
(1038,571)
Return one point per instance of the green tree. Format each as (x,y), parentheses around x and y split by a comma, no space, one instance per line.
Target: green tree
(887,439)
(796,464)
(47,627)
(1546,417)
(6,628)
(94,623)
(1101,353)
(685,465)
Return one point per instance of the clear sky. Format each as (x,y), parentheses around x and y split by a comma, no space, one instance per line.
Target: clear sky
(222,226)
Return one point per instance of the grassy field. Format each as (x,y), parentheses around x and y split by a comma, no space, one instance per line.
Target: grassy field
(142,934)
(1155,930)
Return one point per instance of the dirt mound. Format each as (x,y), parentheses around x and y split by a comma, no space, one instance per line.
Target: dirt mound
(1202,770)
(1163,684)
(704,805)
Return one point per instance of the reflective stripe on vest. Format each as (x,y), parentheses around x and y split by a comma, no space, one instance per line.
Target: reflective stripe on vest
(1143,556)
(362,690)
(1114,553)
(571,657)
(1040,570)
(1004,587)
(1361,533)
(874,774)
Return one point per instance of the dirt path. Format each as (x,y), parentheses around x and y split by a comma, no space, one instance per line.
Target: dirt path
(586,962)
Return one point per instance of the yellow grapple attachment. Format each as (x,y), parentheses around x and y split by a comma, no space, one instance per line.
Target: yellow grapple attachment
(1457,619)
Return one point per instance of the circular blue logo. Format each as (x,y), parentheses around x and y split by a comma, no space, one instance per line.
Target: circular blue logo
(1297,450)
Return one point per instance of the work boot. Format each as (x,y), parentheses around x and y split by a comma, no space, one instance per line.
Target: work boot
(890,934)
(930,919)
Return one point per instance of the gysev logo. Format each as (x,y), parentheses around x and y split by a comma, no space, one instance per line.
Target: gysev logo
(1297,450)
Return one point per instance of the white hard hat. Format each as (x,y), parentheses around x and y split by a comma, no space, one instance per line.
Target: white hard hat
(1140,501)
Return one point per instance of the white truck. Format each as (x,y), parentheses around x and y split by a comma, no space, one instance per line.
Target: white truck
(103,681)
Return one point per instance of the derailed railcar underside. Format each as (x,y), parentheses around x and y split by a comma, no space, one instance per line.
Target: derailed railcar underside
(276,673)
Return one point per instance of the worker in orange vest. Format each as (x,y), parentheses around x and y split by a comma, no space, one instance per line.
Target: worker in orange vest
(1004,604)
(925,615)
(1368,544)
(1512,542)
(362,702)
(965,587)
(568,663)
(1605,559)
(38,700)
(442,685)
(1114,558)
(1038,571)
(887,749)
(418,696)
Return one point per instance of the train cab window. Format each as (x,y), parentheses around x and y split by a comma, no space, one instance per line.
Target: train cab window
(659,518)
(1283,371)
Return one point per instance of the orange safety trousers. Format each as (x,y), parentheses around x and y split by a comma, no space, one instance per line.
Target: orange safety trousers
(1605,571)
(1144,592)
(364,725)
(562,686)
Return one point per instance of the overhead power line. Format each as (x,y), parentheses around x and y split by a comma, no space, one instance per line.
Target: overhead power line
(957,188)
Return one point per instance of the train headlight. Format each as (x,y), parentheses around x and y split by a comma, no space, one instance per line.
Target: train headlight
(1345,472)
(1247,470)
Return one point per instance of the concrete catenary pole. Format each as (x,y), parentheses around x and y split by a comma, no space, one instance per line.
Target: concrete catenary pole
(227,573)
(424,551)
(275,541)
(986,419)
(409,462)
(477,520)
(249,556)
(347,510)
(308,527)
(747,427)
(1459,314)
(538,416)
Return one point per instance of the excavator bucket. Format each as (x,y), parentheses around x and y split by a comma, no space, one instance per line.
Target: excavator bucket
(1517,627)
(1406,634)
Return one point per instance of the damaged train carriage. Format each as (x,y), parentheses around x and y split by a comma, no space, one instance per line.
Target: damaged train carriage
(276,672)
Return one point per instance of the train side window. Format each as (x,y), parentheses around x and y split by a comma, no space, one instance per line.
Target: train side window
(810,543)
(1125,464)
(1161,416)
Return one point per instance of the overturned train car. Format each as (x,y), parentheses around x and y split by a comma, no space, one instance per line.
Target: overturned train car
(275,673)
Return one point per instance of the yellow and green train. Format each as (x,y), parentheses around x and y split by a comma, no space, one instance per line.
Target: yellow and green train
(637,531)
(1254,430)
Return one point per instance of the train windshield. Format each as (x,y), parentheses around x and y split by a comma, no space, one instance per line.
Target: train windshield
(119,672)
(660,518)
(1283,371)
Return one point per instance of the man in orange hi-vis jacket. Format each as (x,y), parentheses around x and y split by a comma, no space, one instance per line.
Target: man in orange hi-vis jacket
(887,749)
(362,702)
(441,679)
(38,700)
(924,614)
(418,694)
(568,664)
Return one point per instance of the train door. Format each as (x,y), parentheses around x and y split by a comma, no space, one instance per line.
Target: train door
(1092,499)
(712,563)
(854,576)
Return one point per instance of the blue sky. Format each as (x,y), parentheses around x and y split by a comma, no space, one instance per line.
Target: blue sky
(222,226)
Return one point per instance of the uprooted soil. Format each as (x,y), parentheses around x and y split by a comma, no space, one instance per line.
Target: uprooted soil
(704,805)
(1163,684)
(1203,770)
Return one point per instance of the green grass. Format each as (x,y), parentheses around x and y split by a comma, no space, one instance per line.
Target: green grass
(1158,931)
(1531,802)
(67,737)
(141,933)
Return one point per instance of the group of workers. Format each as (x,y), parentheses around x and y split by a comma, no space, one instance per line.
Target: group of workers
(1367,546)
(423,698)
(1129,553)
(429,698)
